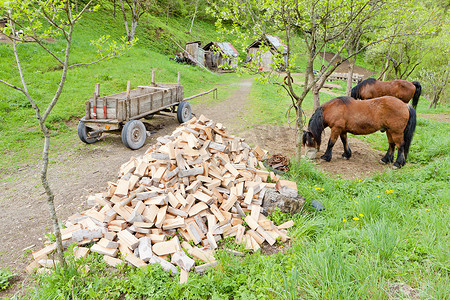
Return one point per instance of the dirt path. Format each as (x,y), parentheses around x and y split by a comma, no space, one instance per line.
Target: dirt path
(85,169)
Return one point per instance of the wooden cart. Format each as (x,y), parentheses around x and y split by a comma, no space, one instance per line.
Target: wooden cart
(120,113)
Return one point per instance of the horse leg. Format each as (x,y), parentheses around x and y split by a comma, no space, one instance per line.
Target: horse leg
(328,153)
(401,151)
(389,157)
(347,151)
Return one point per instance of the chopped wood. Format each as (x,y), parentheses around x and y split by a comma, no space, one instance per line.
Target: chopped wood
(286,225)
(197,184)
(135,261)
(113,262)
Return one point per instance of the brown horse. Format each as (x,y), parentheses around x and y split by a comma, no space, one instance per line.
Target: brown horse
(345,114)
(401,89)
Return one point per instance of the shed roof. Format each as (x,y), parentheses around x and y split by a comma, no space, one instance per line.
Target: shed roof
(225,47)
(274,41)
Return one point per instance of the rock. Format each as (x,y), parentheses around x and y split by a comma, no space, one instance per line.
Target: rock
(317,205)
(286,204)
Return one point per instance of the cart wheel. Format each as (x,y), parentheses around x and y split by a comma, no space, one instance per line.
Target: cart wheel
(134,134)
(83,133)
(184,112)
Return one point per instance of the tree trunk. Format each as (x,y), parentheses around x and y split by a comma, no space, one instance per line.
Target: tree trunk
(125,19)
(298,139)
(351,68)
(193,17)
(50,196)
(438,93)
(316,97)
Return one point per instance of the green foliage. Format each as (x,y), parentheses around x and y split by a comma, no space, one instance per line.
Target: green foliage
(5,278)
(279,217)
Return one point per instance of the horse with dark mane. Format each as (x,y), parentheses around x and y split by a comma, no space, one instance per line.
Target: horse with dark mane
(401,89)
(346,115)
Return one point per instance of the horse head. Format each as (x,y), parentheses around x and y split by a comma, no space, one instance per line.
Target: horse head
(312,147)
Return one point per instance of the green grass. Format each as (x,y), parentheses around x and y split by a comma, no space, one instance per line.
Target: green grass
(5,278)
(401,236)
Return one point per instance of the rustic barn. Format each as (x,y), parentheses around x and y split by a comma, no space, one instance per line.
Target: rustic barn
(197,54)
(220,56)
(265,59)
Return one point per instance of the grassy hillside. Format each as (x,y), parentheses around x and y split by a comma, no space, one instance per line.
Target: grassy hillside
(21,139)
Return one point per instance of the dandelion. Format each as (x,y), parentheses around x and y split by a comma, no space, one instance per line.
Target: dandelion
(356,202)
(378,196)
(427,209)
(361,215)
(389,191)
(359,180)
(322,189)
(355,218)
(344,220)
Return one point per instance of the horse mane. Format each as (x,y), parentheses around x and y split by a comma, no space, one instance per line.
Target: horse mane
(346,100)
(316,126)
(356,90)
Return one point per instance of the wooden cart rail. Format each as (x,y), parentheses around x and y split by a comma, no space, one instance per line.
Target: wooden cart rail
(134,104)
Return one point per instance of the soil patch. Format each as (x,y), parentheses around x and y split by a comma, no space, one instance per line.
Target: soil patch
(343,68)
(437,117)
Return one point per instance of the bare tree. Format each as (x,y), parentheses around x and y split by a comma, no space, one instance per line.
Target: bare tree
(137,8)
(61,18)
(436,81)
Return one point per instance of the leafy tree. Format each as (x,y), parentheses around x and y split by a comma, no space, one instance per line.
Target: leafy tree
(319,23)
(35,21)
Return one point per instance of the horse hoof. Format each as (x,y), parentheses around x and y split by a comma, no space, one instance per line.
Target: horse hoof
(396,166)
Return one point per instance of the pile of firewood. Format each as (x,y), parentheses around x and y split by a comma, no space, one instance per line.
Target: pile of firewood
(188,191)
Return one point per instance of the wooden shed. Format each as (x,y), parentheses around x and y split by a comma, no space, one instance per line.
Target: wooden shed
(265,59)
(196,52)
(220,56)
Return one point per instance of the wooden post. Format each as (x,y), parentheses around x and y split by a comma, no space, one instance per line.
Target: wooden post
(94,106)
(153,77)
(87,110)
(178,78)
(127,101)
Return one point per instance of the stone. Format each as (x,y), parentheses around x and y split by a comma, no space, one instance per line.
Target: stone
(286,204)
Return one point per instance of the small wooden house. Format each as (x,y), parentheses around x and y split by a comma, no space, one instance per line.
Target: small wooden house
(220,56)
(265,59)
(197,54)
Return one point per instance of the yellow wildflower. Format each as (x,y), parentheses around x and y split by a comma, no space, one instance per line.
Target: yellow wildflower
(361,215)
(344,220)
(355,218)
(378,196)
(322,189)
(427,209)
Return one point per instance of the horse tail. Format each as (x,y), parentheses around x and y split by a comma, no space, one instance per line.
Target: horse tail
(316,126)
(416,93)
(409,130)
